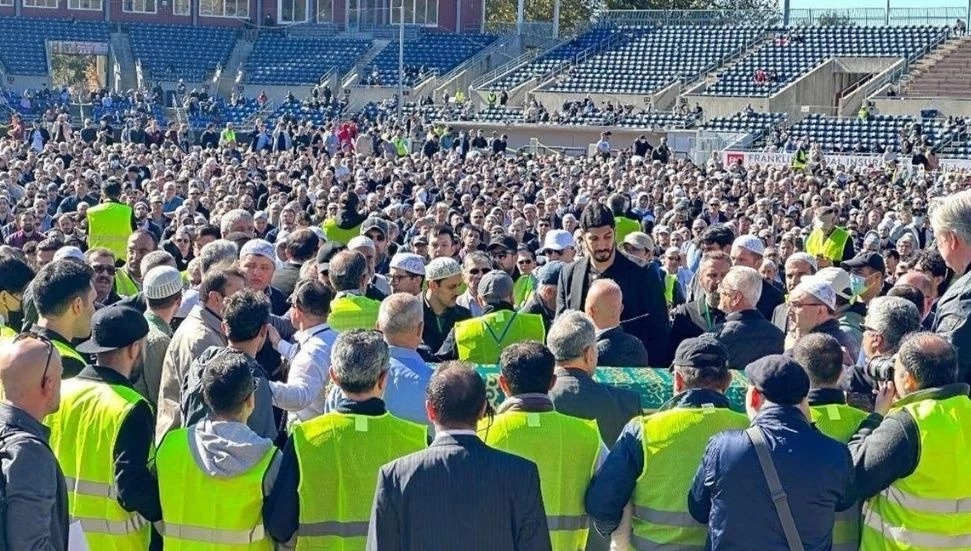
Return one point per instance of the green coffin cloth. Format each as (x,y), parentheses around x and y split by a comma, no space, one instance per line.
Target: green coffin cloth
(654,385)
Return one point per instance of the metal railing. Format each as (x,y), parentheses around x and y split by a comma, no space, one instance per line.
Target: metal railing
(516,63)
(497,45)
(867,17)
(609,42)
(688,17)
(531,28)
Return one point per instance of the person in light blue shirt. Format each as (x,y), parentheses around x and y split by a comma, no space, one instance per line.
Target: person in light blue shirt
(401,320)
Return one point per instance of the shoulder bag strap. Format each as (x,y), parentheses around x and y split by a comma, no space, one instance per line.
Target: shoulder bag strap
(779,498)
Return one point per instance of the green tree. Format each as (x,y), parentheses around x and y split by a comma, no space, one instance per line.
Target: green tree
(833,19)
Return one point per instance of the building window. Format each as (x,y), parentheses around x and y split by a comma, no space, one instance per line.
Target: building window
(6,2)
(50,4)
(293,11)
(417,12)
(181,7)
(95,5)
(139,6)
(224,8)
(325,11)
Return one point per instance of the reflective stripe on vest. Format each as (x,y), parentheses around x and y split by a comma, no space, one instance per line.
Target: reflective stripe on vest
(931,507)
(830,246)
(353,312)
(84,432)
(644,544)
(840,422)
(200,510)
(212,535)
(481,340)
(542,439)
(673,444)
(335,505)
(109,226)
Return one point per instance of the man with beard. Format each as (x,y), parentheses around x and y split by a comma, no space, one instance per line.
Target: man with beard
(701,315)
(645,312)
(143,222)
(128,280)
(15,275)
(797,266)
(26,233)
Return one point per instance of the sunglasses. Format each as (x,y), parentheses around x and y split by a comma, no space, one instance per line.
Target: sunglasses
(477,271)
(524,261)
(103,269)
(50,350)
(500,255)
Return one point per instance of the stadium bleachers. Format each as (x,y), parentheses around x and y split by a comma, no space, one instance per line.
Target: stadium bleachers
(749,123)
(654,57)
(236,114)
(553,58)
(436,52)
(22,40)
(795,51)
(866,136)
(171,52)
(296,111)
(280,59)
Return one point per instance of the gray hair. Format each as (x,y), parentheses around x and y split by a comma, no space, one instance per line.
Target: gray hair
(347,269)
(892,318)
(572,333)
(218,252)
(746,281)
(473,259)
(400,312)
(228,220)
(155,259)
(803,257)
(358,358)
(953,213)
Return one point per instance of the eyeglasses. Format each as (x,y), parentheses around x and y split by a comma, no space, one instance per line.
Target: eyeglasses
(801,305)
(104,269)
(181,240)
(524,261)
(499,255)
(50,350)
(399,277)
(477,271)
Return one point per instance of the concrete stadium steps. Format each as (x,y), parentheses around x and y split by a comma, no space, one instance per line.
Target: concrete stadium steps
(121,47)
(942,73)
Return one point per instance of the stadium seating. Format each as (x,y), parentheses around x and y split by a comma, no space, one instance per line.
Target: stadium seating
(795,51)
(296,111)
(121,109)
(171,52)
(236,114)
(436,52)
(870,136)
(654,57)
(748,123)
(553,58)
(22,40)
(280,59)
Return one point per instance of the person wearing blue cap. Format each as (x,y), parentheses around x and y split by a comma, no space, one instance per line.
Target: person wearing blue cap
(103,421)
(782,454)
(543,300)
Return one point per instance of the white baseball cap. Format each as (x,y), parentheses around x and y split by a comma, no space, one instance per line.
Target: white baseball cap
(557,240)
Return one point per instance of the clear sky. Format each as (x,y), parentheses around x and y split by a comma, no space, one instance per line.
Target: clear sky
(831,4)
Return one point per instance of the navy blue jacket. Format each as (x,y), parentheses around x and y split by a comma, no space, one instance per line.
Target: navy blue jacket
(730,493)
(613,485)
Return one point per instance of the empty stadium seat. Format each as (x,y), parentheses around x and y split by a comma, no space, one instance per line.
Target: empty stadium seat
(171,52)
(436,52)
(23,40)
(283,60)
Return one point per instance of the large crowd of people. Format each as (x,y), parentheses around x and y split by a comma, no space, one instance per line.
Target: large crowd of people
(224,341)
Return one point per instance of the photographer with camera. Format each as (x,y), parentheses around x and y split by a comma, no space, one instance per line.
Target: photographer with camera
(911,455)
(888,320)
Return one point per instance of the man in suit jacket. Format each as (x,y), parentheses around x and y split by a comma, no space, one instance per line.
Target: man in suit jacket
(615,347)
(301,246)
(645,311)
(573,341)
(458,493)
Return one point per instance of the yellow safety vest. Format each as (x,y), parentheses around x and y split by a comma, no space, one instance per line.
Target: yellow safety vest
(491,99)
(674,443)
(202,512)
(83,435)
(624,226)
(109,226)
(481,340)
(931,507)
(565,451)
(523,289)
(669,282)
(7,333)
(124,284)
(335,233)
(353,312)
(831,247)
(227,136)
(335,504)
(799,160)
(68,351)
(400,147)
(840,422)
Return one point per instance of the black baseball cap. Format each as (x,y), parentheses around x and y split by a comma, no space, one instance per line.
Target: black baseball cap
(868,259)
(505,242)
(114,327)
(703,352)
(779,378)
(327,252)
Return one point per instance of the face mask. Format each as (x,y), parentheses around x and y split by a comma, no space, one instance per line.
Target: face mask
(857,285)
(918,220)
(818,224)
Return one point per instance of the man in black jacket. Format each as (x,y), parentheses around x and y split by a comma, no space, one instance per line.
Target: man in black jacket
(748,250)
(745,332)
(615,347)
(702,314)
(645,311)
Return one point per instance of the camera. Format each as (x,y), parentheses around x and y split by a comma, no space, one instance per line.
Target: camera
(879,369)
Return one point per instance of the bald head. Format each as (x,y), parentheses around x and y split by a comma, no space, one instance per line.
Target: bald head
(920,281)
(605,302)
(22,376)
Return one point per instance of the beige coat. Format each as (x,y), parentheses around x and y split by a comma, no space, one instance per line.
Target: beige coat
(200,330)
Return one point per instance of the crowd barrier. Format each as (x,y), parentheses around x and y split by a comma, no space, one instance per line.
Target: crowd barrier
(655,385)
